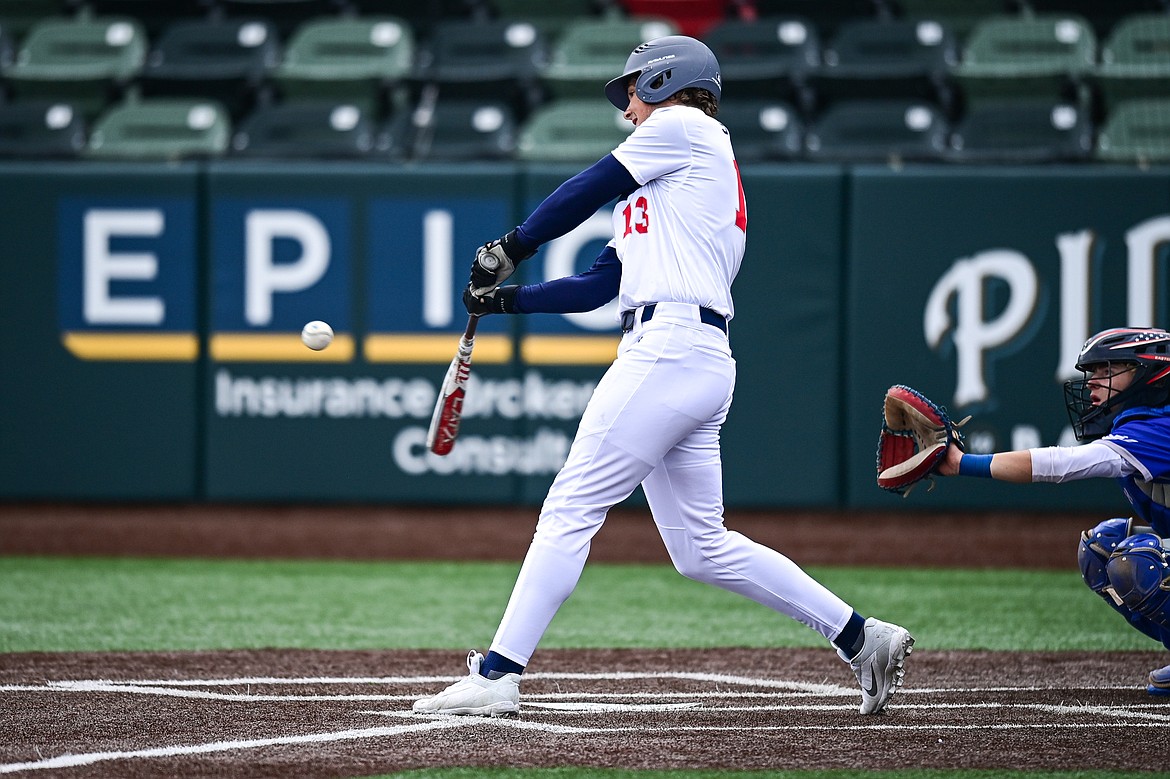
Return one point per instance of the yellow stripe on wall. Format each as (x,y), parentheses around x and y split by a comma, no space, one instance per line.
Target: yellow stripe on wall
(381,348)
(163,347)
(569,349)
(434,348)
(277,347)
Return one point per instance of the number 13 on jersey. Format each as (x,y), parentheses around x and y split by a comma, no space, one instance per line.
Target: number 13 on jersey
(637,214)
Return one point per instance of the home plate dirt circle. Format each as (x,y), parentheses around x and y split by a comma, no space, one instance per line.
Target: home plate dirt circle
(334,714)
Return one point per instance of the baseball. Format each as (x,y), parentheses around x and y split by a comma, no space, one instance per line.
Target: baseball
(317,335)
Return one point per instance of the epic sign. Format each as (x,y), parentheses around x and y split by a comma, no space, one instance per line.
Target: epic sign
(130,280)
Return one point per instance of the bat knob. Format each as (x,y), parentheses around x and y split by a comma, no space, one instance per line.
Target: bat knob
(487,260)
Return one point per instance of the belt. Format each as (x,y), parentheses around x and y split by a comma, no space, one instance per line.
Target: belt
(706,315)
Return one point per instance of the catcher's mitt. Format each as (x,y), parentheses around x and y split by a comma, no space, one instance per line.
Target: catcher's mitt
(914,439)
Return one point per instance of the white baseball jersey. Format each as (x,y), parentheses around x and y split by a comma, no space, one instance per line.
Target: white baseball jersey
(681,234)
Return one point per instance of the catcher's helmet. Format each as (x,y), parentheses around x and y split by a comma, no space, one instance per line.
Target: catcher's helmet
(665,66)
(1146,348)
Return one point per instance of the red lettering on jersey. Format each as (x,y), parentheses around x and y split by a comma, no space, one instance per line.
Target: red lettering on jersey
(741,211)
(637,216)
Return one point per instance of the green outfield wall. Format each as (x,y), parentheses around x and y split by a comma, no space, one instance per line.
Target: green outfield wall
(153,313)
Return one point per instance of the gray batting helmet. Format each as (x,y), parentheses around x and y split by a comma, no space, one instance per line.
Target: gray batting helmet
(663,67)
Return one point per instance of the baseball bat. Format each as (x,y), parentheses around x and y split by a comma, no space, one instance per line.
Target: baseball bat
(449,405)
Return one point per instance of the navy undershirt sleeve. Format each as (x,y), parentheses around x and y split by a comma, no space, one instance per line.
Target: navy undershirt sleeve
(575,201)
(583,292)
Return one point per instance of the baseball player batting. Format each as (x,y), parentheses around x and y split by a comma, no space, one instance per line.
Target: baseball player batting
(679,229)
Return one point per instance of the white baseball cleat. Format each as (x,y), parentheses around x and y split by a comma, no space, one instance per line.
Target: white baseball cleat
(879,665)
(475,695)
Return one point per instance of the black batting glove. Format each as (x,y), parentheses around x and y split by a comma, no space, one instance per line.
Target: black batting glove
(495,261)
(501,300)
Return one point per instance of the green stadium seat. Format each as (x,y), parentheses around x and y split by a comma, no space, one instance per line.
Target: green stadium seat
(960,16)
(554,17)
(877,131)
(1103,15)
(1135,60)
(154,15)
(763,130)
(501,58)
(222,59)
(590,53)
(572,130)
(286,15)
(305,130)
(40,130)
(455,130)
(86,62)
(421,15)
(1136,131)
(20,16)
(826,15)
(160,129)
(767,57)
(569,10)
(361,60)
(7,46)
(1045,56)
(886,59)
(1022,132)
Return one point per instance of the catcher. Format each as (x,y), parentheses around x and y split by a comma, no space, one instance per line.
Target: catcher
(1120,407)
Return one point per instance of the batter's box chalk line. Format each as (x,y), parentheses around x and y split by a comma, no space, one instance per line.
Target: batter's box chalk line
(718,693)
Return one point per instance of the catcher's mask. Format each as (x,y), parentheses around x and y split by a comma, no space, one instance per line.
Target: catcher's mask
(1146,350)
(665,66)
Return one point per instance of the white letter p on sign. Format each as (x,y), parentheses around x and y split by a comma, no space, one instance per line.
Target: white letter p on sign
(263,277)
(972,334)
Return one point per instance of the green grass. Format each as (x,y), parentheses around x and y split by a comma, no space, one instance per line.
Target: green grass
(96,604)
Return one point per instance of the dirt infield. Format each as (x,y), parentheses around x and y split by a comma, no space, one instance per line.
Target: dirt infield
(345,714)
(337,714)
(977,540)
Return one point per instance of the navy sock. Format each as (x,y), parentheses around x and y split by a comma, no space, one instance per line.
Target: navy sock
(495,666)
(852,636)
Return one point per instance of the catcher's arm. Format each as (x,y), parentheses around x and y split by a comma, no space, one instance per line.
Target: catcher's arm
(1015,466)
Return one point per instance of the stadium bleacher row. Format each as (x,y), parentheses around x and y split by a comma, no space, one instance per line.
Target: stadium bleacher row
(986,81)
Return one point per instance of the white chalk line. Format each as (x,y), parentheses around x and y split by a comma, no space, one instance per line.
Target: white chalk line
(562,704)
(325,680)
(998,726)
(592,708)
(540,701)
(554,728)
(792,689)
(72,761)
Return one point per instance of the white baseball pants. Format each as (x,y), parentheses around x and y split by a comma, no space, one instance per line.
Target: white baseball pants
(654,420)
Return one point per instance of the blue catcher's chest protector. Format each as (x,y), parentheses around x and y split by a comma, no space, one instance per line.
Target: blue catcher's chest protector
(1144,433)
